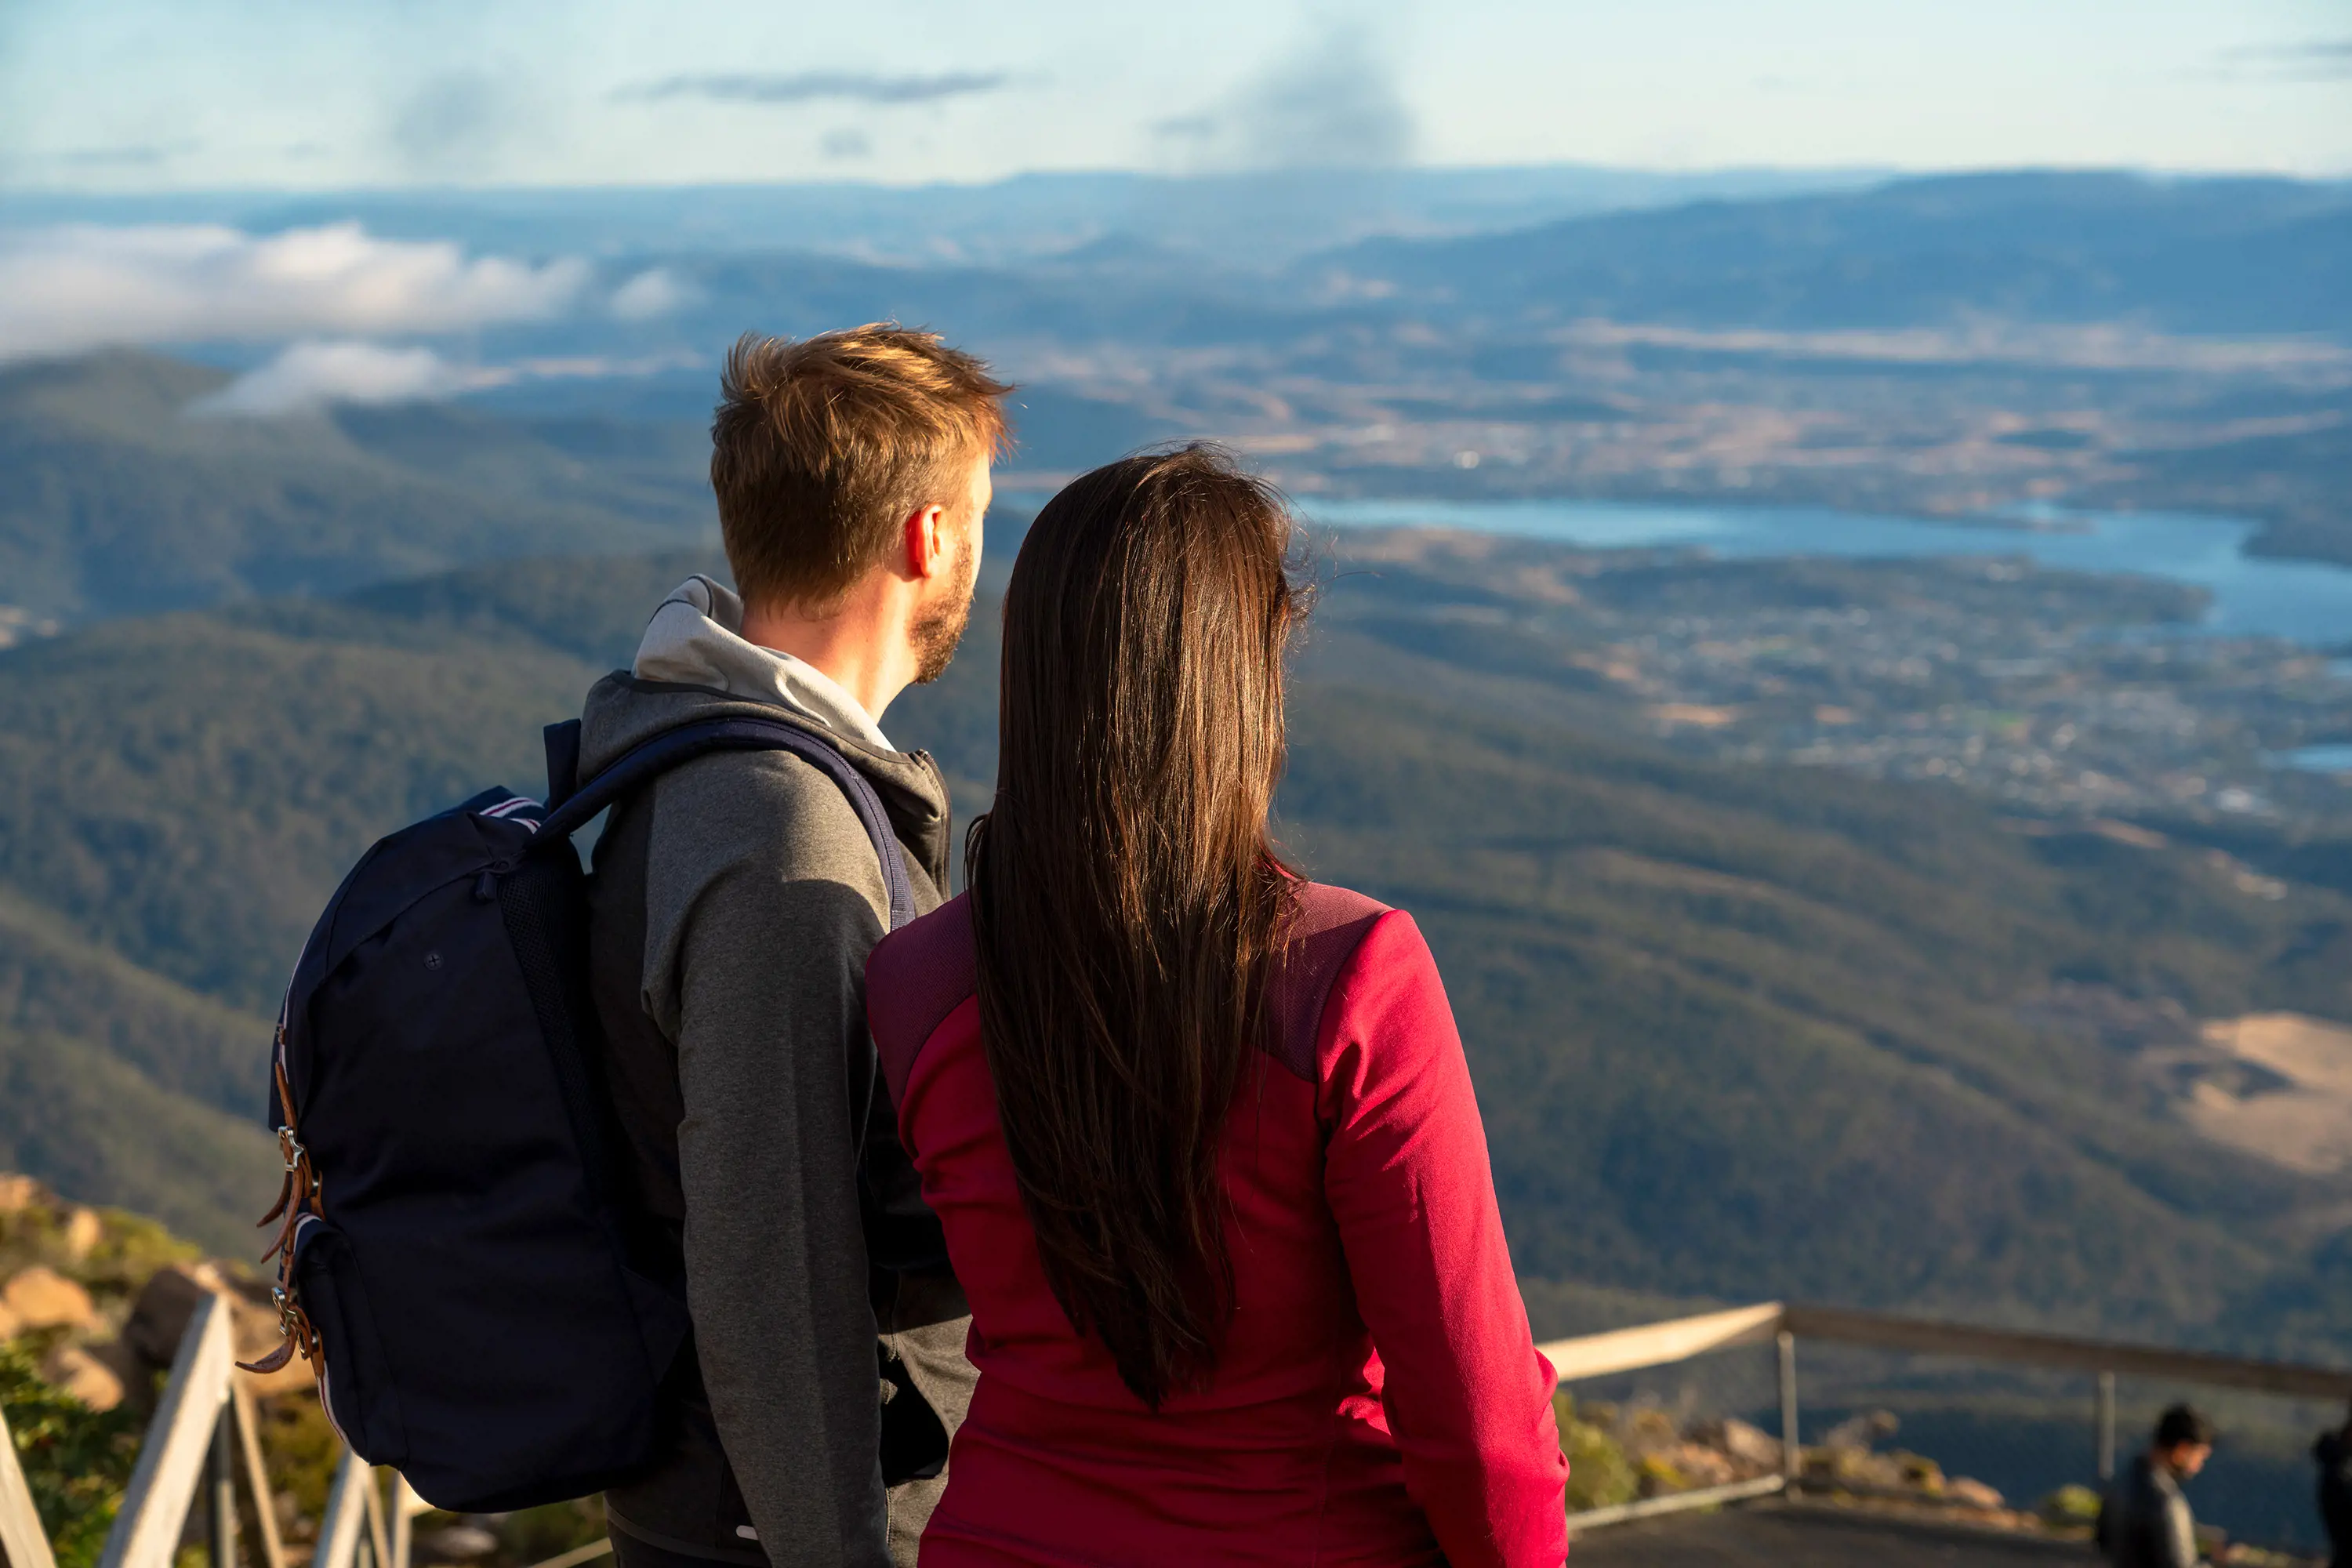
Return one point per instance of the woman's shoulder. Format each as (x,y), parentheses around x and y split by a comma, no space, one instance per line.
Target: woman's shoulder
(915,977)
(1329,927)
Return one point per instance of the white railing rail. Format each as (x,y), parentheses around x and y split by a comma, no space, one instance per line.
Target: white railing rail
(1682,1338)
(171,1462)
(204,1437)
(23,1542)
(206,1431)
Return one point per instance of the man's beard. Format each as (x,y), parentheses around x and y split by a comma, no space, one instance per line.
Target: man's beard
(937,632)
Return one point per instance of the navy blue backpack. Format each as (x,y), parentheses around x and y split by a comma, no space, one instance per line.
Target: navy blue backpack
(448,1254)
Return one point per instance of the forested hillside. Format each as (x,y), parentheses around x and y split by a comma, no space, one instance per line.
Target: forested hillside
(1738,1030)
(121,493)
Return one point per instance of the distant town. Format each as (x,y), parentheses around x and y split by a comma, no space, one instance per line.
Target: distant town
(2056,694)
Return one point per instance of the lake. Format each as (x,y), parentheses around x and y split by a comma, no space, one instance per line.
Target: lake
(2316,759)
(2304,600)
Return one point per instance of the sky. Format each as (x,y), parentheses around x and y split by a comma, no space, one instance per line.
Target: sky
(159,95)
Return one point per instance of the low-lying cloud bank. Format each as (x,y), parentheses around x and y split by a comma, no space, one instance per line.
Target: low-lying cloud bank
(311,374)
(70,290)
(319,372)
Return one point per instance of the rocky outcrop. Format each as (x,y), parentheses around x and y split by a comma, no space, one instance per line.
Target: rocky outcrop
(41,1297)
(102,1300)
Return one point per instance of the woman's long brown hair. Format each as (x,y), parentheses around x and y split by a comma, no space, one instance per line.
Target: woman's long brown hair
(1126,894)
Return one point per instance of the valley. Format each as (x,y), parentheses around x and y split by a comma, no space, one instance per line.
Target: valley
(1892,927)
(1698,992)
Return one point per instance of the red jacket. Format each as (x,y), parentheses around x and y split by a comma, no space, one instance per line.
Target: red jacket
(1378,1398)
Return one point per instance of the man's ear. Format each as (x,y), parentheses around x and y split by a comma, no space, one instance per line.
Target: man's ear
(925,545)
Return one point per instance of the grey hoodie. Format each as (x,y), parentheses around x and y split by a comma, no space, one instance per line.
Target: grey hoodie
(735,901)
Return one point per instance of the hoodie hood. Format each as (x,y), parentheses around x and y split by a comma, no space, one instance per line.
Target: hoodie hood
(691,667)
(696,638)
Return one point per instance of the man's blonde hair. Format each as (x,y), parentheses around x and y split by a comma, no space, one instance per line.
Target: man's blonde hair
(821,447)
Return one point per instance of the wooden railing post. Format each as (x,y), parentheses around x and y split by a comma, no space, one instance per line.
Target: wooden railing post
(346,1515)
(379,1539)
(1792,1453)
(256,1476)
(406,1506)
(220,1492)
(146,1532)
(23,1542)
(2107,1426)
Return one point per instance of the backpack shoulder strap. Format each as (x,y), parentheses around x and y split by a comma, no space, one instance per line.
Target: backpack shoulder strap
(1331,924)
(674,748)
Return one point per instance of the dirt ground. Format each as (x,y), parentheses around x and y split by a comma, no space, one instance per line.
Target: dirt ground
(2303,1118)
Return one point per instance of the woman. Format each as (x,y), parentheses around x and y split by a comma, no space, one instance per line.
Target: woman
(1200,1134)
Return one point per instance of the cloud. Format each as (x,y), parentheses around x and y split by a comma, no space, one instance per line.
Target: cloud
(314,373)
(452,123)
(317,373)
(136,157)
(1335,103)
(69,289)
(847,143)
(655,292)
(816,87)
(2315,59)
(1190,127)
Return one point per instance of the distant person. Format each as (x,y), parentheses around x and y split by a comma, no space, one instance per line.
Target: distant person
(2146,1522)
(2334,1452)
(734,902)
(1200,1134)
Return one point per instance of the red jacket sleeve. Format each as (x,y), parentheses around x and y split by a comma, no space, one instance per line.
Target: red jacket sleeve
(1468,1397)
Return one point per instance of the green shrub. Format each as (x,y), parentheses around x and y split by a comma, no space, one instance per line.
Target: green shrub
(2071,1507)
(1599,1473)
(76,1459)
(301,1450)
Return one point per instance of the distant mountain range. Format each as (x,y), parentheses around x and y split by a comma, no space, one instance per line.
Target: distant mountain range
(1255,222)
(1894,344)
(2180,255)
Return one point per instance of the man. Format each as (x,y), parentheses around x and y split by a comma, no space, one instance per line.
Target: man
(734,902)
(2146,1522)
(2333,1453)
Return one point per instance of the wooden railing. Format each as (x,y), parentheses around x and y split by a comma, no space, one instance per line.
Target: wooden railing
(1681,1339)
(204,1439)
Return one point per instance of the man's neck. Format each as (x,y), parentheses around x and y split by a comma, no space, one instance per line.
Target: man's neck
(861,647)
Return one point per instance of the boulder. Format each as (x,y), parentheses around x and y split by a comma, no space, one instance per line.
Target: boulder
(1749,1445)
(18,1194)
(41,1297)
(455,1543)
(81,1233)
(1858,1468)
(84,1373)
(160,1317)
(1969,1493)
(1702,1465)
(1863,1431)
